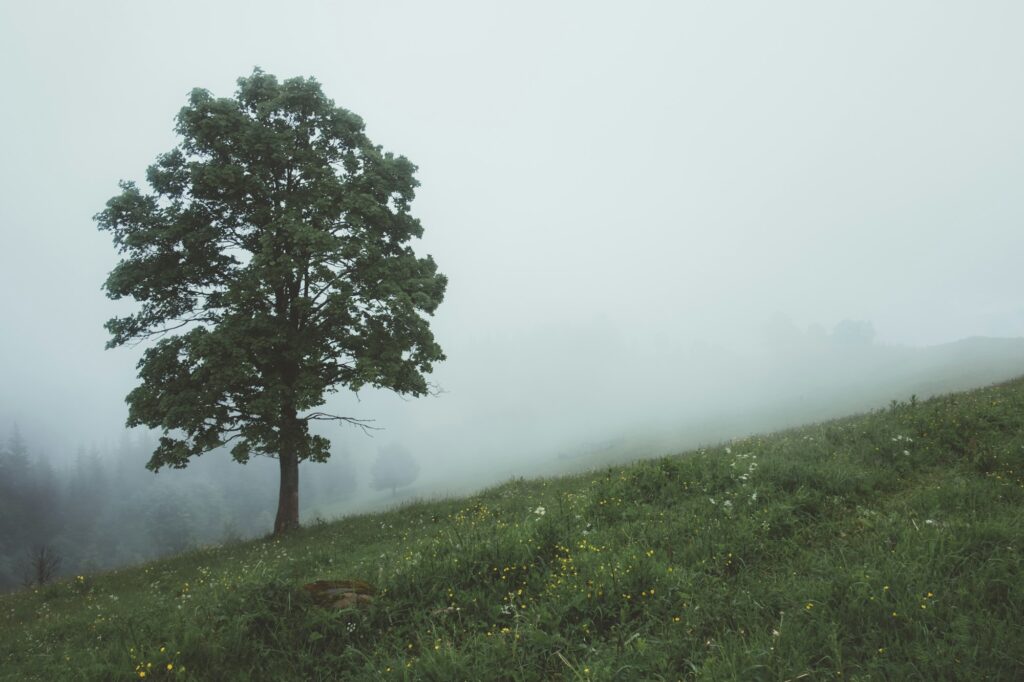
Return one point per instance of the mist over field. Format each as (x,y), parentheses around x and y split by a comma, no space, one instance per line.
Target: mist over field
(662,226)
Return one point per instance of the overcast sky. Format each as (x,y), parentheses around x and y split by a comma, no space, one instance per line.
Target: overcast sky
(597,178)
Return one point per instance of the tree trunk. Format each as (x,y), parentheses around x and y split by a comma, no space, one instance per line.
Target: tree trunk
(289,430)
(288,499)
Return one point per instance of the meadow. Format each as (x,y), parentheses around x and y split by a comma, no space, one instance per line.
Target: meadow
(885,546)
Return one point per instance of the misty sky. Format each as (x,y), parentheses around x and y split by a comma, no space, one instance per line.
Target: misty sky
(597,179)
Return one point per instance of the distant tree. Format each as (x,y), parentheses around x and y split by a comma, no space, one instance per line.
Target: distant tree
(781,335)
(88,493)
(170,524)
(393,468)
(278,235)
(13,477)
(41,566)
(16,446)
(30,505)
(854,333)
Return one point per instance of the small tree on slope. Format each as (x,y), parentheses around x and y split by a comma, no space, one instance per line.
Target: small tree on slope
(272,264)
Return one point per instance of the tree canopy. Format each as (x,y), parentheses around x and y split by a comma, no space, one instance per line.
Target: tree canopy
(272,263)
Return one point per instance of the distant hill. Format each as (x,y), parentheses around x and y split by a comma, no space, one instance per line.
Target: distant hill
(810,384)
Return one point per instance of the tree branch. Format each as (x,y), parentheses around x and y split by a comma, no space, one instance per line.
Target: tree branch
(363,424)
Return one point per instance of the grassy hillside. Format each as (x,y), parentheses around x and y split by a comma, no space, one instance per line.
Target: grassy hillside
(887,546)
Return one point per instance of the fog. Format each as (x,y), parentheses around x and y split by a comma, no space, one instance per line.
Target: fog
(657,219)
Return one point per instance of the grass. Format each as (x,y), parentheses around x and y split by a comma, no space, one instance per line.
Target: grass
(887,547)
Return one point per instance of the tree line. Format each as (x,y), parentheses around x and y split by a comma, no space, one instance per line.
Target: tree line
(100,509)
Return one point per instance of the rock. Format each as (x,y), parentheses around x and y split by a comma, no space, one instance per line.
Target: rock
(341,594)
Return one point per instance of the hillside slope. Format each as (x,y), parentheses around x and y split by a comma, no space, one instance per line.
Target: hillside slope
(661,407)
(886,546)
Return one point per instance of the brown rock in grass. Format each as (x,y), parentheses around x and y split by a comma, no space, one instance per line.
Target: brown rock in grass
(341,594)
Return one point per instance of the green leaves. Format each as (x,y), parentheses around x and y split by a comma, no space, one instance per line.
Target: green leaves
(272,263)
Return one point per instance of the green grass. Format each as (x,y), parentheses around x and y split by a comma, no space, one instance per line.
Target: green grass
(885,547)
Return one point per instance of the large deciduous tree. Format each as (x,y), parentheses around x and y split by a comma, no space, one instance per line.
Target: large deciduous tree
(272,265)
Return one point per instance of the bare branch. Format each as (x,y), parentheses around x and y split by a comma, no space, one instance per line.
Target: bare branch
(364,424)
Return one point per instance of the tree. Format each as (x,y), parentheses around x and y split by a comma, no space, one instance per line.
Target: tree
(272,264)
(393,468)
(41,566)
(854,333)
(30,504)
